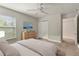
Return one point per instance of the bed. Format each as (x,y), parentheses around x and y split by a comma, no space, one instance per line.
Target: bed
(30,47)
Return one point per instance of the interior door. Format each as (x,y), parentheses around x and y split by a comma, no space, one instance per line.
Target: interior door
(70,28)
(43,28)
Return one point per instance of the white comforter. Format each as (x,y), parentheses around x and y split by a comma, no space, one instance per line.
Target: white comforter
(33,47)
(24,51)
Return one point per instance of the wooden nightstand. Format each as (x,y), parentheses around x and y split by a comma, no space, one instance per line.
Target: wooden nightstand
(27,35)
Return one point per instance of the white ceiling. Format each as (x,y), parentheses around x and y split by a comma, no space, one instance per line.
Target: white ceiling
(33,9)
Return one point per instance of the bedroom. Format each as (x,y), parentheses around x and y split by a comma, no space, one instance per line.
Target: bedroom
(42,21)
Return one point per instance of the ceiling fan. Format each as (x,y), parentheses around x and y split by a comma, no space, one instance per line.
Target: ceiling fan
(41,9)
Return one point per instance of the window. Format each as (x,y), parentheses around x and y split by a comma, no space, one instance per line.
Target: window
(7,27)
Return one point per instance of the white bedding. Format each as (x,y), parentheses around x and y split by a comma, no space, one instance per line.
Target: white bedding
(37,48)
(24,51)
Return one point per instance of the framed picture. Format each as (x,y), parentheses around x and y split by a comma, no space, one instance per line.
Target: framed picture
(27,26)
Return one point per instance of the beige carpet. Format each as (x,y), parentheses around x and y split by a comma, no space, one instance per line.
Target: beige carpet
(68,48)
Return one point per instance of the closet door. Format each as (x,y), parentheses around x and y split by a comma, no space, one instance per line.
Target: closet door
(43,28)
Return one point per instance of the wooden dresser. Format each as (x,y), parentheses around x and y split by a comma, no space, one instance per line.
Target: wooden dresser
(27,35)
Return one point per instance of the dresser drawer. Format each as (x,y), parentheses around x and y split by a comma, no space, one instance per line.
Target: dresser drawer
(27,35)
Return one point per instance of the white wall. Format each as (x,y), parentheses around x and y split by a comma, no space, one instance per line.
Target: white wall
(20,18)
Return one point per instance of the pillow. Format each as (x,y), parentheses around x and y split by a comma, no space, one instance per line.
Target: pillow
(7,49)
(1,54)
